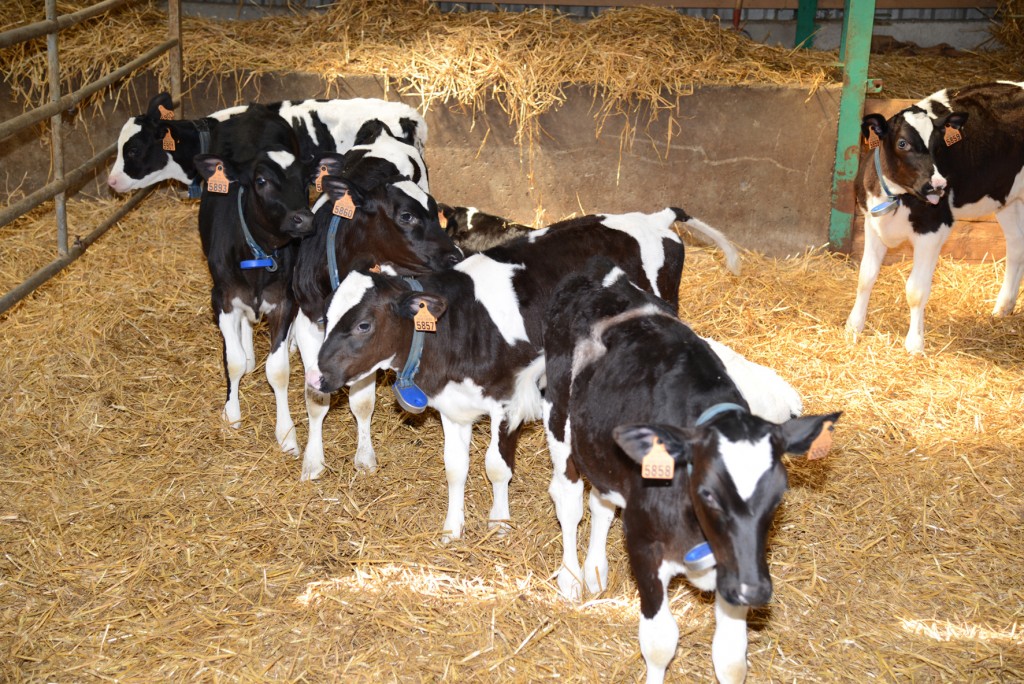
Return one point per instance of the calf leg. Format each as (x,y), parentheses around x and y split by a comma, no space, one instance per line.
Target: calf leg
(247,345)
(309,340)
(659,634)
(1011,219)
(729,645)
(499,462)
(230,323)
(277,369)
(870,265)
(602,515)
(566,491)
(456,469)
(361,397)
(919,285)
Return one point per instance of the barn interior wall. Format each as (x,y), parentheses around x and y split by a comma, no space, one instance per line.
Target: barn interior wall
(754,162)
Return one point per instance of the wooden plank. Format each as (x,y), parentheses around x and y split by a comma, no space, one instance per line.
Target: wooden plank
(973,241)
(768,4)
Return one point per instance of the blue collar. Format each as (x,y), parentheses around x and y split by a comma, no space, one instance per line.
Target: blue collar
(195,190)
(717,409)
(262,260)
(408,394)
(332,256)
(891,200)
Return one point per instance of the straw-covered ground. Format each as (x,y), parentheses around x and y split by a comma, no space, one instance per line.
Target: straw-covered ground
(142,541)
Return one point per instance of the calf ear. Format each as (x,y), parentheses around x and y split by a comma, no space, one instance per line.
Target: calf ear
(876,123)
(956,120)
(809,434)
(637,441)
(334,163)
(159,100)
(411,302)
(207,165)
(336,188)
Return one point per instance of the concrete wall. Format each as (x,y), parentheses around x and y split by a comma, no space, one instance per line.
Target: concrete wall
(754,162)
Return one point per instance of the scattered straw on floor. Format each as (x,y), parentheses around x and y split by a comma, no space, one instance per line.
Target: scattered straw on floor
(144,541)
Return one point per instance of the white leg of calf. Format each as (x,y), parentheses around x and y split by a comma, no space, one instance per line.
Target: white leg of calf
(309,339)
(500,475)
(1011,219)
(234,359)
(919,284)
(361,398)
(870,265)
(456,469)
(277,375)
(568,499)
(247,345)
(729,645)
(659,637)
(602,515)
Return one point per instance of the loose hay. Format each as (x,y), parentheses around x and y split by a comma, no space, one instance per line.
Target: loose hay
(144,541)
(634,58)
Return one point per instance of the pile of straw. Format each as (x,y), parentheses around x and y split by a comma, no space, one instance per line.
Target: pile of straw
(522,60)
(144,541)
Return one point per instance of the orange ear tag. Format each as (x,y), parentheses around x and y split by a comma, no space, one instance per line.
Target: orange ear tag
(165,113)
(345,207)
(952,136)
(168,142)
(424,320)
(873,139)
(319,182)
(822,443)
(218,182)
(375,268)
(443,219)
(657,464)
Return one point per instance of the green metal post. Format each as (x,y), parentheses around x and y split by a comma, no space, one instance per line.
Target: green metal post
(805,28)
(855,53)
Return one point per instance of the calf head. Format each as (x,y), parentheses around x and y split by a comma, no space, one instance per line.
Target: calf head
(906,146)
(732,468)
(395,222)
(141,159)
(369,327)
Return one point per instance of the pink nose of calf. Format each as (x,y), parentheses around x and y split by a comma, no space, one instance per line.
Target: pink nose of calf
(314,378)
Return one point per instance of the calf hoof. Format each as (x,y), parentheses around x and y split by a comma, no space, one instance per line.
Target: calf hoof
(233,420)
(499,528)
(311,471)
(597,579)
(1002,310)
(366,460)
(569,585)
(288,442)
(854,326)
(914,344)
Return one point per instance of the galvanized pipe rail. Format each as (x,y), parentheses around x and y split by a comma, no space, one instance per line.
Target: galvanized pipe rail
(62,180)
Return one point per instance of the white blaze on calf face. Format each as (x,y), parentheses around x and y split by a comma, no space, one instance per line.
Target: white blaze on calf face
(492,282)
(282,158)
(648,230)
(350,292)
(746,462)
(613,275)
(415,192)
(535,235)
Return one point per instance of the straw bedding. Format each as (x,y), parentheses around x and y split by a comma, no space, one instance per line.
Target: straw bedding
(141,540)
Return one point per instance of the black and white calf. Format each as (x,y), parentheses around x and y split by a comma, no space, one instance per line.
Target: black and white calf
(956,154)
(486,357)
(625,375)
(394,222)
(475,231)
(320,125)
(248,233)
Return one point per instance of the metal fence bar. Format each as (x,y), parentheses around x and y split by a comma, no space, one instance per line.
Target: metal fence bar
(30,118)
(62,181)
(77,249)
(41,28)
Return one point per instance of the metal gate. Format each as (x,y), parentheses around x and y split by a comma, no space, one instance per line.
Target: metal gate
(64,179)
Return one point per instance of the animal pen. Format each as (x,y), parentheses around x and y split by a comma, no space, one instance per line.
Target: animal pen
(141,539)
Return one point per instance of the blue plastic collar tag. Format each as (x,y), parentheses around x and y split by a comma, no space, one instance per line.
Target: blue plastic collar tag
(410,397)
(699,558)
(267,263)
(885,207)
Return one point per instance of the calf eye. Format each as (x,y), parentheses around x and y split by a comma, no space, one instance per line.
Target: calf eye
(709,499)
(902,144)
(405,217)
(363,327)
(260,181)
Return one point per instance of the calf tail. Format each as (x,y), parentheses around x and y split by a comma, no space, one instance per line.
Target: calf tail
(732,256)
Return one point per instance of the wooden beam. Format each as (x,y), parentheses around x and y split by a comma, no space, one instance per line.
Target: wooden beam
(765,4)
